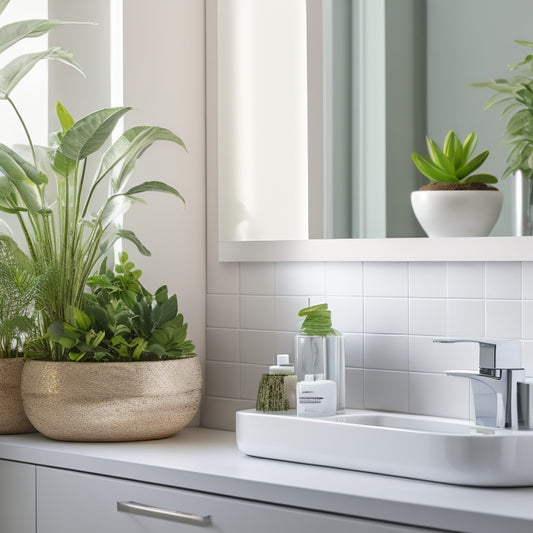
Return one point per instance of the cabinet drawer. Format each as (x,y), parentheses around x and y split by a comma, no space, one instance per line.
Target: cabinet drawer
(17,497)
(70,501)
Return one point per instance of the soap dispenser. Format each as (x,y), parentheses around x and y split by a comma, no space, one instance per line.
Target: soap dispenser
(316,396)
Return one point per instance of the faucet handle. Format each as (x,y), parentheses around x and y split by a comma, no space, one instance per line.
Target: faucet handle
(494,354)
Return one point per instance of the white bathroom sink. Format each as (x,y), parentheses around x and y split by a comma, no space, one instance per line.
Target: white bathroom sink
(420,447)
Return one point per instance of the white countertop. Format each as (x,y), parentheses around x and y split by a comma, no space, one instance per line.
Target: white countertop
(208,460)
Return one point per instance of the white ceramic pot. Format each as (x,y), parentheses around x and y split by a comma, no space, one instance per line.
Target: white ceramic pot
(111,401)
(457,213)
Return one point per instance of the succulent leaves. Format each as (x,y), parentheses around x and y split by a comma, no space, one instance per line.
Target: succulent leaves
(453,163)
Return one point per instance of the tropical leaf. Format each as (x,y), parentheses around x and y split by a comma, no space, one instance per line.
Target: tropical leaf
(154,186)
(5,228)
(127,235)
(15,70)
(65,118)
(121,156)
(3,5)
(90,133)
(16,31)
(115,207)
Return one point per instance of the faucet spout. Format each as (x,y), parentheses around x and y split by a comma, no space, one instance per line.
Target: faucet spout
(495,383)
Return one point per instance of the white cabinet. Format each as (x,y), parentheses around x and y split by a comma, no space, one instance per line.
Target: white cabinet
(17,497)
(71,501)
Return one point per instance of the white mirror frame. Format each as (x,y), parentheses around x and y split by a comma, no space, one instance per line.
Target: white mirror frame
(396,249)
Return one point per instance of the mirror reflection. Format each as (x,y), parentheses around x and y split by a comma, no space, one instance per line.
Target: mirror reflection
(322,102)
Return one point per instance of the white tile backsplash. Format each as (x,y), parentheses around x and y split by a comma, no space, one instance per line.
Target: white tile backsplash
(300,279)
(385,279)
(389,313)
(386,315)
(386,352)
(344,279)
(504,319)
(503,280)
(428,280)
(427,316)
(466,318)
(466,280)
(258,312)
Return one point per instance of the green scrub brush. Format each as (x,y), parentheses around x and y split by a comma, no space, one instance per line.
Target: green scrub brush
(271,394)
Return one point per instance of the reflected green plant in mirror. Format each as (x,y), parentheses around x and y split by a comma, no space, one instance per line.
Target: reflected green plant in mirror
(517,94)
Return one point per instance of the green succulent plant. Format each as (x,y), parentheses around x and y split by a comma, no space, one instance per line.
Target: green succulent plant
(517,95)
(454,162)
(19,287)
(121,321)
(317,320)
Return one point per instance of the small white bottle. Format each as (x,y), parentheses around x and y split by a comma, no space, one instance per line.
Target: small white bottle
(316,396)
(284,368)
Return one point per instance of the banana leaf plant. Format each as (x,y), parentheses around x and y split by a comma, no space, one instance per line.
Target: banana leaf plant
(67,230)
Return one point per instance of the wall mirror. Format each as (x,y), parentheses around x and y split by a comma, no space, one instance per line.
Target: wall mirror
(320,104)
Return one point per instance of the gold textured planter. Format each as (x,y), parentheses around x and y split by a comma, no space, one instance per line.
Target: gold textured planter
(111,401)
(12,416)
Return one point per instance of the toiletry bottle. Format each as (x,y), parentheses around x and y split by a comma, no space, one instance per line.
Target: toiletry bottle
(316,396)
(286,369)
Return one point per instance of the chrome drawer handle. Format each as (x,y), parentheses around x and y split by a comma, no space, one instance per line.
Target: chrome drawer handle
(165,514)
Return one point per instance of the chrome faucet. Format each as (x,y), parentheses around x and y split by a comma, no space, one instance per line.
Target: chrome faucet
(495,384)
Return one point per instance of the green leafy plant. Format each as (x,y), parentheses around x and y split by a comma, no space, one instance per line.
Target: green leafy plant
(19,286)
(317,321)
(517,95)
(454,162)
(121,321)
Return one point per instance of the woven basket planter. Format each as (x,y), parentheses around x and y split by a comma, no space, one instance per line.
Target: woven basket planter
(12,416)
(111,401)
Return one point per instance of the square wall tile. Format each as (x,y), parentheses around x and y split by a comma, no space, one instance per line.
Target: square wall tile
(250,378)
(466,279)
(346,313)
(287,308)
(428,356)
(285,343)
(257,312)
(504,280)
(385,279)
(504,318)
(353,350)
(386,352)
(466,318)
(222,345)
(258,347)
(428,279)
(427,317)
(527,357)
(527,280)
(354,388)
(527,319)
(438,395)
(219,413)
(344,279)
(300,278)
(222,380)
(386,315)
(258,278)
(222,278)
(386,391)
(222,311)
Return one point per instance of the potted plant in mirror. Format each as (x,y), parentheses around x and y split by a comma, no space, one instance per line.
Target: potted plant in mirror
(456,202)
(129,355)
(516,94)
(18,321)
